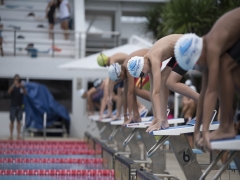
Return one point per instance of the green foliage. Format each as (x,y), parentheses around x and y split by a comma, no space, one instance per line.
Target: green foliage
(183,16)
(154,22)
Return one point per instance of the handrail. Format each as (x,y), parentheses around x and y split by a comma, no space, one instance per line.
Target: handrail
(79,39)
(157,145)
(62,31)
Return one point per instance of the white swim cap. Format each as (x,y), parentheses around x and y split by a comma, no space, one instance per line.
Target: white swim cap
(135,66)
(81,92)
(114,71)
(193,88)
(187,50)
(188,82)
(97,83)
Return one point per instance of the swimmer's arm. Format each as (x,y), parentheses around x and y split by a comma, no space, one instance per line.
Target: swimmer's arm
(125,99)
(151,90)
(110,89)
(130,93)
(156,73)
(90,92)
(10,89)
(210,97)
(201,100)
(104,99)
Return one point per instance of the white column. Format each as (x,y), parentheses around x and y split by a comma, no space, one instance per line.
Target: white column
(117,19)
(79,24)
(78,120)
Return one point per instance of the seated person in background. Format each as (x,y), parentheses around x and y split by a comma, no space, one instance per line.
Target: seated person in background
(216,54)
(160,81)
(105,61)
(188,110)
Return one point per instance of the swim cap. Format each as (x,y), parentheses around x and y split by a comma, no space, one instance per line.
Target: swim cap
(102,59)
(187,50)
(188,82)
(114,71)
(135,66)
(97,83)
(81,92)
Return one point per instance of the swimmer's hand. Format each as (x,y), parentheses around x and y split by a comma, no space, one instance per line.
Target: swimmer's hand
(127,120)
(206,140)
(154,127)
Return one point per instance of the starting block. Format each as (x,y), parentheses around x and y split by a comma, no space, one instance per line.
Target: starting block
(232,144)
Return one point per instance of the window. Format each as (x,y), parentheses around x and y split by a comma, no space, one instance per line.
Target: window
(5,100)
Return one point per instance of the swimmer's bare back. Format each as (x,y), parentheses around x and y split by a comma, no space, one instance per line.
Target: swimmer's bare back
(140,52)
(163,49)
(225,32)
(118,58)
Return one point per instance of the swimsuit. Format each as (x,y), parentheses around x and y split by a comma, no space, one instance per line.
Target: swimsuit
(175,67)
(234,51)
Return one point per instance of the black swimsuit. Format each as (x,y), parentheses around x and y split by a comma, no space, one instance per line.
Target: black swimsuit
(234,51)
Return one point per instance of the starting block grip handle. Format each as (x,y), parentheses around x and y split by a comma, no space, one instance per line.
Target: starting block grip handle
(157,145)
(128,139)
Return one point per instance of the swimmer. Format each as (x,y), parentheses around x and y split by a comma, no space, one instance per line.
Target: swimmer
(93,97)
(103,85)
(118,73)
(104,61)
(189,108)
(213,54)
(160,82)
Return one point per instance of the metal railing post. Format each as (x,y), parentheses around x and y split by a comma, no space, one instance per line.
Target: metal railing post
(44,124)
(53,38)
(14,45)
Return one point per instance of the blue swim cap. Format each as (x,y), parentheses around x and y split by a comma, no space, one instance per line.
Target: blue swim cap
(135,66)
(114,71)
(187,50)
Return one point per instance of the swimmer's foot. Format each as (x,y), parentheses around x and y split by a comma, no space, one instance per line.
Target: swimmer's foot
(220,133)
(19,138)
(197,137)
(136,119)
(127,122)
(133,120)
(158,126)
(107,116)
(116,117)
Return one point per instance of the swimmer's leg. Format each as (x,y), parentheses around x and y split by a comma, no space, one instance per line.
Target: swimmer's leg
(119,103)
(226,95)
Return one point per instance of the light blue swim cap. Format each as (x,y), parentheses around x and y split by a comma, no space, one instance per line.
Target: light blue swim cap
(135,66)
(187,50)
(114,71)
